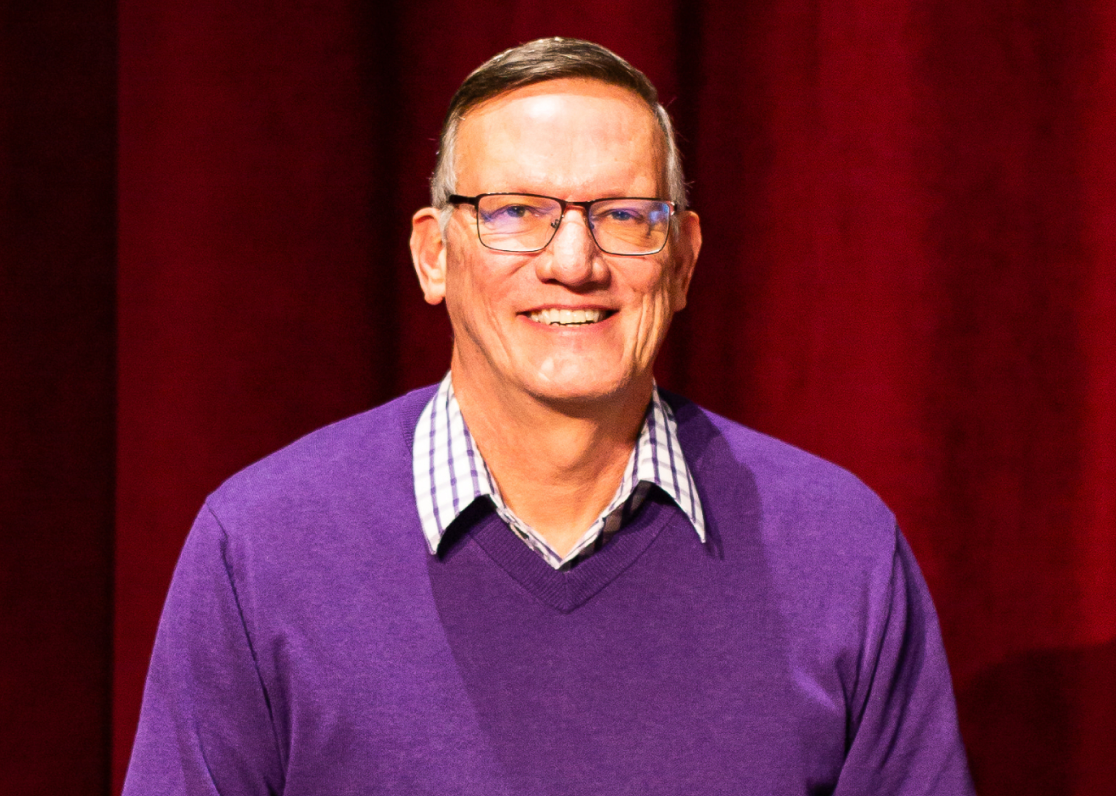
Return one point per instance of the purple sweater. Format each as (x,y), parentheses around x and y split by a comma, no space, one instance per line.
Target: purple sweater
(310,643)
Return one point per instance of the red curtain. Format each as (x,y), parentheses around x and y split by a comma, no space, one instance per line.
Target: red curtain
(57,393)
(909,210)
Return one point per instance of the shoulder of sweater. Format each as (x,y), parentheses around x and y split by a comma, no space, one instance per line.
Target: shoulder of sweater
(800,489)
(366,455)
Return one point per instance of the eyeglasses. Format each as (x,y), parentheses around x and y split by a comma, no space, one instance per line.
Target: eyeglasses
(524,222)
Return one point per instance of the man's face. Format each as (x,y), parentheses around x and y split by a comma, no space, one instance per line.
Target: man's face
(573,140)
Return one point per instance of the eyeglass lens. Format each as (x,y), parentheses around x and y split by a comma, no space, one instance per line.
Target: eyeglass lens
(523,223)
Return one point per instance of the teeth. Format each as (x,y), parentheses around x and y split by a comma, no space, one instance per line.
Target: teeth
(559,317)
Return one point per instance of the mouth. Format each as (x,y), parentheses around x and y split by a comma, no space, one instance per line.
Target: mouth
(564,317)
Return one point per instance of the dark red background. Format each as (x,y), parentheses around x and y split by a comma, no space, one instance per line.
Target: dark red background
(910,268)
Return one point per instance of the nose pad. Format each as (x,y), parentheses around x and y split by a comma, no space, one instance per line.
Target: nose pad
(587,224)
(567,259)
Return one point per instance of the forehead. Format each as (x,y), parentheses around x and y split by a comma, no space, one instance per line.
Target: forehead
(561,136)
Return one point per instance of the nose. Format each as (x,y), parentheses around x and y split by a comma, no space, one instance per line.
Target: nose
(572,258)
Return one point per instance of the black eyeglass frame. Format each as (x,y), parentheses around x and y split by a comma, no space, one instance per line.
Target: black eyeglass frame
(457,199)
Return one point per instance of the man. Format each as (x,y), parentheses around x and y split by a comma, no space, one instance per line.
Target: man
(543,576)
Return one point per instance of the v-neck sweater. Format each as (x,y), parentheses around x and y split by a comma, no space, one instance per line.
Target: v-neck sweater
(310,644)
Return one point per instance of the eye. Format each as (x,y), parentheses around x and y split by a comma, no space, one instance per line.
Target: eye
(506,212)
(516,211)
(509,212)
(625,214)
(620,215)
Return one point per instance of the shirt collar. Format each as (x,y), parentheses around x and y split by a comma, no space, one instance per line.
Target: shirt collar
(450,473)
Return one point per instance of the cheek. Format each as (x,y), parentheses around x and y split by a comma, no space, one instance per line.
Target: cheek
(464,282)
(658,309)
(476,295)
(462,302)
(658,293)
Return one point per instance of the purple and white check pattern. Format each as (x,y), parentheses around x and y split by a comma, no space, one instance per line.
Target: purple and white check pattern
(450,474)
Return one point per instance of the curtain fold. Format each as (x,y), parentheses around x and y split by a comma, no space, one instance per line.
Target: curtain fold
(57,393)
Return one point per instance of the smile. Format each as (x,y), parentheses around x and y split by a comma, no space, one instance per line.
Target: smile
(562,317)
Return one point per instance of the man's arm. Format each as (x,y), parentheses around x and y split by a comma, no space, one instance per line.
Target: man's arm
(205,727)
(905,739)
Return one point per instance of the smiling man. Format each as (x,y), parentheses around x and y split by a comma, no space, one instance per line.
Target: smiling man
(561,269)
(544,576)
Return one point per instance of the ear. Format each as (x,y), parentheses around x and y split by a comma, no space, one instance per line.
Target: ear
(685,247)
(428,253)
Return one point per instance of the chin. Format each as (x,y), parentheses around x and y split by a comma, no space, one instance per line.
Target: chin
(580,387)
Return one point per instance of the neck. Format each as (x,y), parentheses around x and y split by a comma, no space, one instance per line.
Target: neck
(557,464)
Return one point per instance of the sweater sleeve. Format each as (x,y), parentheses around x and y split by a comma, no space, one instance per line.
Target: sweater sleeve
(205,726)
(905,740)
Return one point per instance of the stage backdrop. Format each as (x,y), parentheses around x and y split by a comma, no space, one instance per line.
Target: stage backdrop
(909,268)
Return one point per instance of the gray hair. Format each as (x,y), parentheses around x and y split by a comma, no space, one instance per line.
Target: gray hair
(537,62)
